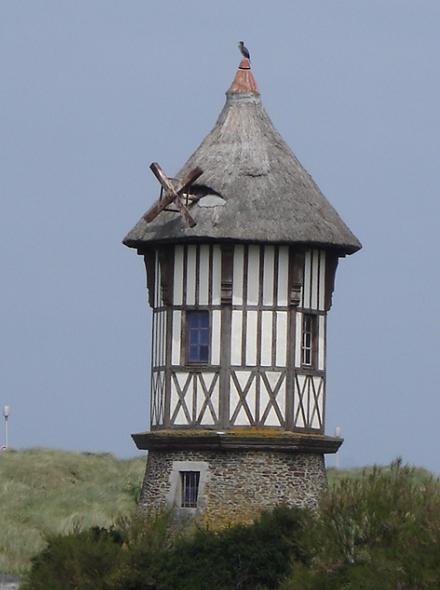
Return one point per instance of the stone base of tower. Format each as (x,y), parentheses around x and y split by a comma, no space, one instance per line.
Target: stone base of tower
(234,484)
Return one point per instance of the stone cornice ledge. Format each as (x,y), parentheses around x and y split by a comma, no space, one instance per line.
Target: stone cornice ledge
(275,440)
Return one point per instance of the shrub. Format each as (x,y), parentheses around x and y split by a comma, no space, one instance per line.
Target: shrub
(143,555)
(240,557)
(82,560)
(379,531)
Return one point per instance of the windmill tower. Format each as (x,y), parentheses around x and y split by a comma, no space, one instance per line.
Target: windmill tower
(240,252)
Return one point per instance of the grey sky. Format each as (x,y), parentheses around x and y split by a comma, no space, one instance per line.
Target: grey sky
(92,91)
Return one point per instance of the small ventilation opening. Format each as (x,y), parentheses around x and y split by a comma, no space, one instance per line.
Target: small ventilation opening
(190,488)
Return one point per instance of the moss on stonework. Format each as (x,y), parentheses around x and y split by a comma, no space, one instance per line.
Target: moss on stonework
(265,432)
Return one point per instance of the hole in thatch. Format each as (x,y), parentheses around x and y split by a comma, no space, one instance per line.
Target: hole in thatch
(207,197)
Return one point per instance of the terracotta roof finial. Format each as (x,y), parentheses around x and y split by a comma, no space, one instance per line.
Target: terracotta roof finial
(244,81)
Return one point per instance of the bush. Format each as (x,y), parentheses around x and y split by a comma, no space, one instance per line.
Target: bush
(82,560)
(144,556)
(240,557)
(379,531)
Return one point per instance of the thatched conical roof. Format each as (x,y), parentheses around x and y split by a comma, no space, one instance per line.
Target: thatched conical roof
(252,188)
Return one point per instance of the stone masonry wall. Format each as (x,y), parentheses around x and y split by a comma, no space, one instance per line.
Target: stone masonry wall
(236,485)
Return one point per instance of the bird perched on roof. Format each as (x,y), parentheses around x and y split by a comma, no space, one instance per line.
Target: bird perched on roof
(244,50)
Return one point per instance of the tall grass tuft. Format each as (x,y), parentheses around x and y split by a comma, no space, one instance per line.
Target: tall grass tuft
(45,492)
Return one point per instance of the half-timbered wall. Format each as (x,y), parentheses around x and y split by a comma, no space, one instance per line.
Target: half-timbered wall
(309,383)
(259,336)
(255,375)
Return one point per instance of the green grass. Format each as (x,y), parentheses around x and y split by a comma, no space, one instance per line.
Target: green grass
(48,491)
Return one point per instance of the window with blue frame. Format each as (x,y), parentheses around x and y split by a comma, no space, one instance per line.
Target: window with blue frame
(197,336)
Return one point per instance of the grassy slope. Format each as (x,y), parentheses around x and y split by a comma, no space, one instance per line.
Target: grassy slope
(44,491)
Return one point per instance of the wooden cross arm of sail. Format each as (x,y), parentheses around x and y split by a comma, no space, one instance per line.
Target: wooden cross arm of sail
(172,194)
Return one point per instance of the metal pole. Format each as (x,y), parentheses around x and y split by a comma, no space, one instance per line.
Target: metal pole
(6,417)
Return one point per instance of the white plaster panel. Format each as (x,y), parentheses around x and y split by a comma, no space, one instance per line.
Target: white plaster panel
(164,337)
(243,378)
(272,418)
(264,397)
(207,378)
(181,418)
(156,278)
(268,275)
(161,342)
(182,378)
(215,336)
(307,279)
(321,343)
(153,399)
(242,418)
(283,274)
(251,397)
(266,338)
(274,377)
(236,337)
(174,398)
(298,338)
(281,339)
(207,418)
(159,394)
(237,276)
(215,396)
(176,335)
(191,275)
(315,275)
(216,274)
(253,275)
(154,360)
(299,385)
(156,282)
(316,408)
(322,267)
(158,338)
(178,276)
(234,399)
(162,398)
(251,338)
(204,275)
(281,398)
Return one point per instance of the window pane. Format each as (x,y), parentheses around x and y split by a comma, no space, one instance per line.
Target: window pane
(204,353)
(190,488)
(307,339)
(193,353)
(194,337)
(197,336)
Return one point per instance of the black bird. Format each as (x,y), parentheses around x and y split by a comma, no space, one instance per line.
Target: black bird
(244,50)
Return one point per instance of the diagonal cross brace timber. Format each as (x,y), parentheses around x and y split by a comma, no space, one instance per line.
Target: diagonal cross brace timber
(172,193)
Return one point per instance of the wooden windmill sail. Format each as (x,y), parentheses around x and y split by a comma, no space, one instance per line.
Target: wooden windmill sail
(173,193)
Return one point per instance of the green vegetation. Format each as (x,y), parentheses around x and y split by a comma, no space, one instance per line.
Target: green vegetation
(47,491)
(147,558)
(381,530)
(376,528)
